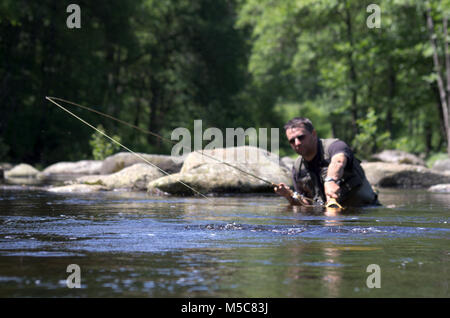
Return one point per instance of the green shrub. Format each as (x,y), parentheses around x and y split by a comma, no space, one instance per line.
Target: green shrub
(101,146)
(435,157)
(370,140)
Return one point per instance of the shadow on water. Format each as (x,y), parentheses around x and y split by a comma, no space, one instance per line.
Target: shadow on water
(138,245)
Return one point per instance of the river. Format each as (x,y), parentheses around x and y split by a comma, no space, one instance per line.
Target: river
(131,244)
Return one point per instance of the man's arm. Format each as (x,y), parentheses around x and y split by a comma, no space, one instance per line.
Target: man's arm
(337,165)
(335,172)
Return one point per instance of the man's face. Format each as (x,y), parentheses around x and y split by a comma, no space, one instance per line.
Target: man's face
(302,141)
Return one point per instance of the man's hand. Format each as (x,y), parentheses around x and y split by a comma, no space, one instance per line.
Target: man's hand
(283,190)
(332,190)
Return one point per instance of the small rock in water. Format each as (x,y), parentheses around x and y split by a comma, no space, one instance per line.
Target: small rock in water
(440,188)
(77,188)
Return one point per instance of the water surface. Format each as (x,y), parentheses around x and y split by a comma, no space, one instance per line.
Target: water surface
(137,245)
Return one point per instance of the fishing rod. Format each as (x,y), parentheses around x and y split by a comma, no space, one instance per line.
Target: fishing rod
(160,137)
(121,145)
(52,99)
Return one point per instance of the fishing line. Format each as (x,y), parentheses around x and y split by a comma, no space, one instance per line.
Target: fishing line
(160,137)
(51,99)
(121,145)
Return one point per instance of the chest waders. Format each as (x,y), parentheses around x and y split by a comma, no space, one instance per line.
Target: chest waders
(355,189)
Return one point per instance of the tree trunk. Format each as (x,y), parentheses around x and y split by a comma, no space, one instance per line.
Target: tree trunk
(392,92)
(442,93)
(447,62)
(442,133)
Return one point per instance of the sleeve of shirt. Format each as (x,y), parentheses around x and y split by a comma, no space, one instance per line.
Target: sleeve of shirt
(341,147)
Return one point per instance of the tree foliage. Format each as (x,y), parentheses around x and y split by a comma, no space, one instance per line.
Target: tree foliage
(322,52)
(232,63)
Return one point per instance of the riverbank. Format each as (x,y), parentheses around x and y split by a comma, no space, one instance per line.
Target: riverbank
(219,171)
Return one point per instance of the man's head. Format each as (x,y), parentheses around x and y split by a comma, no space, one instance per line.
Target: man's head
(302,137)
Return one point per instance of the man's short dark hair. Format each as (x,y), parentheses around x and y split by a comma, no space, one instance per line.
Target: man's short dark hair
(299,122)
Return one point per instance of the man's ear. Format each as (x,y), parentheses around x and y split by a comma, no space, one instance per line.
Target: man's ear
(314,133)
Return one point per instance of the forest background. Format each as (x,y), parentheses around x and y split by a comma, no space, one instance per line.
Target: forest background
(231,63)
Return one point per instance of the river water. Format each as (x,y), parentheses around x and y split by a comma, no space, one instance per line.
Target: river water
(130,244)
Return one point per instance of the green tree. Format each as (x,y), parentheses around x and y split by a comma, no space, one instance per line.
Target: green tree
(156,64)
(323,53)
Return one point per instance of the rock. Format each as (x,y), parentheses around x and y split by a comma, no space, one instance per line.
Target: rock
(6,166)
(122,160)
(77,188)
(442,165)
(288,162)
(135,177)
(211,178)
(83,167)
(206,175)
(402,175)
(440,188)
(22,170)
(245,157)
(398,156)
(23,181)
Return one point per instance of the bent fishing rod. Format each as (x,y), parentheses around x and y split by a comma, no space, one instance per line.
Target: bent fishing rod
(121,145)
(155,135)
(52,100)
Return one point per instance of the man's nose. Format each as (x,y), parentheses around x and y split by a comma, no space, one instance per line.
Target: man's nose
(297,141)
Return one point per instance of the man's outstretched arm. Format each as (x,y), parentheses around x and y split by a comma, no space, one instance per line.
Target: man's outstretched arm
(335,172)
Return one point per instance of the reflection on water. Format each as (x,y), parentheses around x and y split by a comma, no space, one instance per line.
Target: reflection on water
(134,245)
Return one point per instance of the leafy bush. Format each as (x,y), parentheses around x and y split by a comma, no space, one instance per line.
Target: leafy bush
(435,157)
(370,140)
(101,146)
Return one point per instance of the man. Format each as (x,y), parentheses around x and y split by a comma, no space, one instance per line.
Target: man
(326,169)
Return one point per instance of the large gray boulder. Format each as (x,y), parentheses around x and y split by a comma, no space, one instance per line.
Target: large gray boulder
(288,162)
(207,175)
(442,165)
(440,188)
(83,167)
(122,160)
(402,175)
(399,157)
(135,177)
(22,170)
